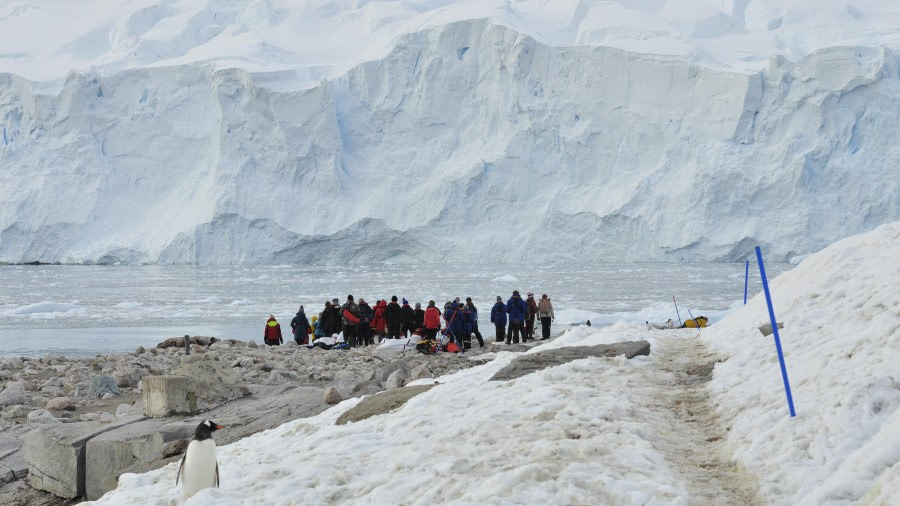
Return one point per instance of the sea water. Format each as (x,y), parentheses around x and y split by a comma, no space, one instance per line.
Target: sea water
(89,310)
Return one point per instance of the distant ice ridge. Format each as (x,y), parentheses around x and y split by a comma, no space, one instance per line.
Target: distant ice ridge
(468,141)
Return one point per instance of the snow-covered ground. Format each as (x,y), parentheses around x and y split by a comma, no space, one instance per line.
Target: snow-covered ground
(213,132)
(592,431)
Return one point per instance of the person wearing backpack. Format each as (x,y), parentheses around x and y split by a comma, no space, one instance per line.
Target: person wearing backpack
(432,320)
(350,320)
(272,332)
(300,327)
(545,313)
(516,309)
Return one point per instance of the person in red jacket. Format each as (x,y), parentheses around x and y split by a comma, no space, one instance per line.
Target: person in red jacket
(432,320)
(378,322)
(272,334)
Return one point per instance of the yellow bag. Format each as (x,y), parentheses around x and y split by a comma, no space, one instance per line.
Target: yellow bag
(700,322)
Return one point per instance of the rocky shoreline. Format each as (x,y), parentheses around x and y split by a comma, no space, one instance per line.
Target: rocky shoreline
(250,388)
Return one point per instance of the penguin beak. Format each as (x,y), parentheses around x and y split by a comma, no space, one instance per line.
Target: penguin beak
(217,427)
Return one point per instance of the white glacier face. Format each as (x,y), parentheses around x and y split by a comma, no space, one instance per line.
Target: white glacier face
(467,141)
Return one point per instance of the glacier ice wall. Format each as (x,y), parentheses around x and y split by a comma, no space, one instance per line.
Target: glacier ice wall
(468,142)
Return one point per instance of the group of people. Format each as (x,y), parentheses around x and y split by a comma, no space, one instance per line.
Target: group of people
(520,315)
(362,324)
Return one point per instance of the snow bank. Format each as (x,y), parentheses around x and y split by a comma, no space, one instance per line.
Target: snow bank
(841,340)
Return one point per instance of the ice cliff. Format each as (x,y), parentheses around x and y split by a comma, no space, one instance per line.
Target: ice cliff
(468,141)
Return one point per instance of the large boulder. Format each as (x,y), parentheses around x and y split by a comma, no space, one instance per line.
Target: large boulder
(381,403)
(42,416)
(389,369)
(59,403)
(397,379)
(212,382)
(332,396)
(532,362)
(127,377)
(14,393)
(102,385)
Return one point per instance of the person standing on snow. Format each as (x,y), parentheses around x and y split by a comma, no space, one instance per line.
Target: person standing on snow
(300,327)
(432,320)
(272,332)
(545,313)
(498,318)
(529,318)
(516,309)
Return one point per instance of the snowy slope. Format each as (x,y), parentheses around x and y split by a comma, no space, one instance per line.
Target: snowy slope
(586,432)
(281,132)
(841,341)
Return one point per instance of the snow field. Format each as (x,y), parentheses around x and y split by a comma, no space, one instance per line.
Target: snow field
(841,341)
(570,434)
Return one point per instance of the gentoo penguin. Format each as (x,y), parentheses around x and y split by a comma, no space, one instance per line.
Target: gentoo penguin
(199,469)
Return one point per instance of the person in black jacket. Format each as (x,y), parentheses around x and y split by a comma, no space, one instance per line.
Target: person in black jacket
(418,317)
(332,318)
(393,318)
(300,327)
(474,311)
(365,321)
(407,315)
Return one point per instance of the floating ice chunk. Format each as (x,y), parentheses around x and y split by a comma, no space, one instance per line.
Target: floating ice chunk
(47,307)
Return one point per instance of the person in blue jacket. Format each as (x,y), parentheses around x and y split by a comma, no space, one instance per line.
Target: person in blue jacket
(516,309)
(498,318)
(456,324)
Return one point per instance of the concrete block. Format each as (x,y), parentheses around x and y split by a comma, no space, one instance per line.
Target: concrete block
(109,454)
(168,395)
(55,455)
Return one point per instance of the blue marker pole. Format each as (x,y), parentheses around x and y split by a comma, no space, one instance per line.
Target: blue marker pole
(695,320)
(784,375)
(746,279)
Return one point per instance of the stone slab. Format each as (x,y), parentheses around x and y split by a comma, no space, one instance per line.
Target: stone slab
(108,454)
(532,362)
(55,455)
(167,395)
(381,403)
